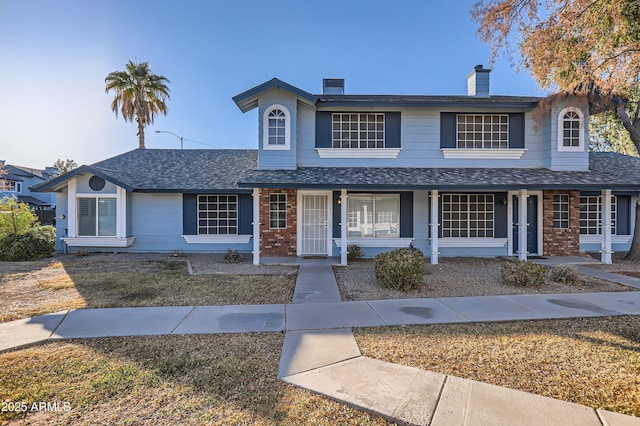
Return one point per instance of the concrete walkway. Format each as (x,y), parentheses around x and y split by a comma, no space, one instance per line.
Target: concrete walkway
(321,354)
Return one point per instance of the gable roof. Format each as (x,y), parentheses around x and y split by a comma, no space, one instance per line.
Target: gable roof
(625,177)
(248,100)
(18,173)
(168,170)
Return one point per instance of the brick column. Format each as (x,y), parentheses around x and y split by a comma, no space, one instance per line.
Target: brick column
(561,242)
(279,242)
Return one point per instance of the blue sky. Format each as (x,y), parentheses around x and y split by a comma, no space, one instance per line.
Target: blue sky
(55,54)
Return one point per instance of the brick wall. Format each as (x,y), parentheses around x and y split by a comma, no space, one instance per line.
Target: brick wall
(278,242)
(561,242)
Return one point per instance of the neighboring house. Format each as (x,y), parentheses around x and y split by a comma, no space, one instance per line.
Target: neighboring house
(18,182)
(471,175)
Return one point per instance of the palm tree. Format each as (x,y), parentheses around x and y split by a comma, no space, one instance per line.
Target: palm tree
(139,94)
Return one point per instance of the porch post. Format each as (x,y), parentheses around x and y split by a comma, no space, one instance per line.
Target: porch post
(344,226)
(434,227)
(72,210)
(522,224)
(606,227)
(256,226)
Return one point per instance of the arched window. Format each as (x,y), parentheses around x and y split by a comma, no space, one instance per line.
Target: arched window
(571,130)
(276,128)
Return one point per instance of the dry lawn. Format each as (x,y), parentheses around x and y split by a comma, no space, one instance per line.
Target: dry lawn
(217,380)
(36,288)
(454,277)
(593,362)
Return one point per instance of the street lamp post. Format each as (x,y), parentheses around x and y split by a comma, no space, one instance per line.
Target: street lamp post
(171,133)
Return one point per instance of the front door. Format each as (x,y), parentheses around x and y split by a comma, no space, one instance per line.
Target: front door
(314,224)
(532,220)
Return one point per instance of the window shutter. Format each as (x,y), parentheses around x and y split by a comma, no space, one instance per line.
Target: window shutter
(516,130)
(323,129)
(406,215)
(623,215)
(447,130)
(245,214)
(190,214)
(392,130)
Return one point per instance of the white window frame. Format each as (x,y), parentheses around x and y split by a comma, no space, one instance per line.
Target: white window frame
(17,186)
(597,201)
(97,199)
(468,133)
(274,214)
(354,135)
(377,232)
(561,201)
(449,200)
(287,128)
(561,120)
(207,212)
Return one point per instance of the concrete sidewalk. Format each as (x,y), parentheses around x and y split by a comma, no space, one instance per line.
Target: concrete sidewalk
(321,354)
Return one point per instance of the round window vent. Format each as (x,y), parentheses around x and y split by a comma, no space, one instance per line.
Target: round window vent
(96,183)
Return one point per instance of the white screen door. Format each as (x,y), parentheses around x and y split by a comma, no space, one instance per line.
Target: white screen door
(314,224)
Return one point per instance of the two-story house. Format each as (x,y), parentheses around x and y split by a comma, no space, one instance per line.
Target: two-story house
(17,183)
(474,175)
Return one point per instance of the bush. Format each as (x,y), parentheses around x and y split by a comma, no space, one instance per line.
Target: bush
(23,247)
(354,252)
(233,256)
(521,273)
(46,233)
(401,269)
(565,274)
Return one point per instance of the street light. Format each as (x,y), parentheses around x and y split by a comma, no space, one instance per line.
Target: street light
(171,133)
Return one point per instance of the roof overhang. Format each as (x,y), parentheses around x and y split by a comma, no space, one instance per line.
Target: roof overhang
(248,100)
(58,183)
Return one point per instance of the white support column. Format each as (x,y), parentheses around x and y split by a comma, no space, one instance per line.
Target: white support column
(344,226)
(121,216)
(72,209)
(434,227)
(522,224)
(606,227)
(256,226)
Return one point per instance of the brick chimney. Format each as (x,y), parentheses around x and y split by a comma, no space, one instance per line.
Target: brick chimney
(478,82)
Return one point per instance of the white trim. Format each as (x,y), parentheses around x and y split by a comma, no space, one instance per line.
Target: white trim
(256,225)
(217,239)
(510,224)
(99,241)
(287,129)
(434,226)
(376,242)
(560,141)
(344,226)
(597,239)
(358,152)
(493,154)
(472,242)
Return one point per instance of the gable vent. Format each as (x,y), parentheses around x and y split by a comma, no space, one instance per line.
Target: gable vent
(333,86)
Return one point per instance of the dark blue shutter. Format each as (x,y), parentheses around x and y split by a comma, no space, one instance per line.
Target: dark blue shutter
(623,215)
(516,130)
(245,214)
(190,214)
(500,215)
(406,215)
(323,129)
(337,208)
(392,130)
(447,130)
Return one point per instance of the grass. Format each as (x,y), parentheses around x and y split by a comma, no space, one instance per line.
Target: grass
(40,288)
(196,379)
(592,361)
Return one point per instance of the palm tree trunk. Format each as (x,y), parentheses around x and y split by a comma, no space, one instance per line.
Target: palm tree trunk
(140,134)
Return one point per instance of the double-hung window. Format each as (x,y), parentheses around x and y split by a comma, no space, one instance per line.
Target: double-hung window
(13,186)
(561,211)
(482,131)
(374,215)
(352,130)
(97,216)
(591,210)
(277,211)
(467,216)
(217,214)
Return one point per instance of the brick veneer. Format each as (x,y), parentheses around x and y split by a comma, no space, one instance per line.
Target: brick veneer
(278,242)
(561,242)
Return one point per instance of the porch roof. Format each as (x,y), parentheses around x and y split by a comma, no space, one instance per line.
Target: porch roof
(607,171)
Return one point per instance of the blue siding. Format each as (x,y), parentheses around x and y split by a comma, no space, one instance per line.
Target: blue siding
(277,159)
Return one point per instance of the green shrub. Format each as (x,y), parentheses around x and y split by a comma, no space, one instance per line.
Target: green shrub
(46,233)
(565,274)
(15,217)
(521,273)
(401,269)
(23,247)
(233,256)
(354,252)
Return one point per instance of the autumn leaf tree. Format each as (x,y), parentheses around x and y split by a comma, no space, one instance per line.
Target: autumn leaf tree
(584,47)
